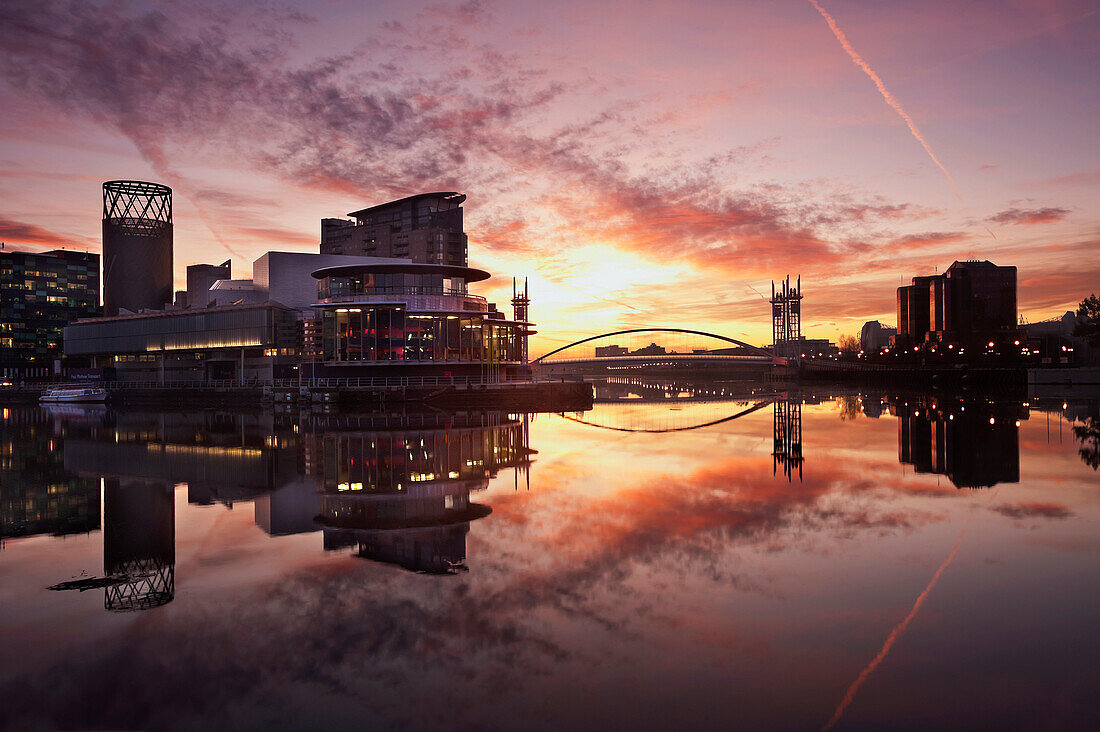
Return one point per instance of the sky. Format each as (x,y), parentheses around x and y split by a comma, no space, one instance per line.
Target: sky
(644,164)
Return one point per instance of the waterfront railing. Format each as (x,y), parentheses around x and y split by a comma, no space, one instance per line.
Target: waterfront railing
(371,382)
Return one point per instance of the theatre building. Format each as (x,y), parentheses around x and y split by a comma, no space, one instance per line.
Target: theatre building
(348,311)
(413,319)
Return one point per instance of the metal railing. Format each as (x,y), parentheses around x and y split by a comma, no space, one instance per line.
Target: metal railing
(324,383)
(417,298)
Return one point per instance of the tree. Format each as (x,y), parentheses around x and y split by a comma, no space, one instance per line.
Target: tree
(1089,435)
(850,407)
(1088,320)
(848,344)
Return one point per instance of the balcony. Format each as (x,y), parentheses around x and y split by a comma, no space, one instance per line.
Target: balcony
(417,299)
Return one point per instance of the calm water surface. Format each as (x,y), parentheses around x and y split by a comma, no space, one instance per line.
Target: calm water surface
(707,563)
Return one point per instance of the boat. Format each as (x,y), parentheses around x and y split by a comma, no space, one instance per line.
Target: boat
(70,394)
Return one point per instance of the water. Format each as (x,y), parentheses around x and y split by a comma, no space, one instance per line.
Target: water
(701,563)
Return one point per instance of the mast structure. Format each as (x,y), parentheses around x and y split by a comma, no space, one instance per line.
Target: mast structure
(787,319)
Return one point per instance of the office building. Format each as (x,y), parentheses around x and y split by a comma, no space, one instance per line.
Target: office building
(803,346)
(39,295)
(425,228)
(612,350)
(972,302)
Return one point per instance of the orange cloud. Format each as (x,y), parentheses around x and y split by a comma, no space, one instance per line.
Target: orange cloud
(16,232)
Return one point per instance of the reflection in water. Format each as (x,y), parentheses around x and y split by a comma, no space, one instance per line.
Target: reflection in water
(403,495)
(787,436)
(1088,433)
(139,544)
(37,494)
(394,487)
(892,638)
(974,442)
(672,571)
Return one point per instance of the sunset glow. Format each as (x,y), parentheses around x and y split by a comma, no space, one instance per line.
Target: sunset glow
(650,164)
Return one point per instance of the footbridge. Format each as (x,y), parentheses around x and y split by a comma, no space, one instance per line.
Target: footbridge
(693,347)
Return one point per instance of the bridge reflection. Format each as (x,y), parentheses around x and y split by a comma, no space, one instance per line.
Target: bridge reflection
(398,488)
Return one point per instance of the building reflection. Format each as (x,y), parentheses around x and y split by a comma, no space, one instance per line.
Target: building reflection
(393,487)
(975,443)
(401,493)
(38,495)
(139,544)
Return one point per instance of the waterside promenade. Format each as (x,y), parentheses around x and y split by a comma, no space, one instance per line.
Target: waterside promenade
(518,394)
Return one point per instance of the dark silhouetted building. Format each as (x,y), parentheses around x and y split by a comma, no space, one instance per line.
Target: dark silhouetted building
(426,228)
(874,336)
(971,302)
(232,342)
(613,350)
(201,277)
(39,295)
(137,246)
(651,350)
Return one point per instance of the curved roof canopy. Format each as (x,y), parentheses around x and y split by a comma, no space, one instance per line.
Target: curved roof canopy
(469,274)
(452,196)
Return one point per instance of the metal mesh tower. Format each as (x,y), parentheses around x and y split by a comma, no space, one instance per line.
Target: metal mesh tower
(137,246)
(787,319)
(520,305)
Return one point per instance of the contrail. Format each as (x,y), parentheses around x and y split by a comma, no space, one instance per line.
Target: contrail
(991,232)
(885,93)
(894,635)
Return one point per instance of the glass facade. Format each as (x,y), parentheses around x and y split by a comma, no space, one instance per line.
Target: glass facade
(181,330)
(389,284)
(39,295)
(393,334)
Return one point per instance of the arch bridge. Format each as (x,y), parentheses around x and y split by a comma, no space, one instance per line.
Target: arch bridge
(754,354)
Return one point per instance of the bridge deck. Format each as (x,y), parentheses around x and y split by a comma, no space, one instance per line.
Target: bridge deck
(663,358)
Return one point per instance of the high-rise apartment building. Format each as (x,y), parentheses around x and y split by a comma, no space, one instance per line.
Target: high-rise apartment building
(41,293)
(426,228)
